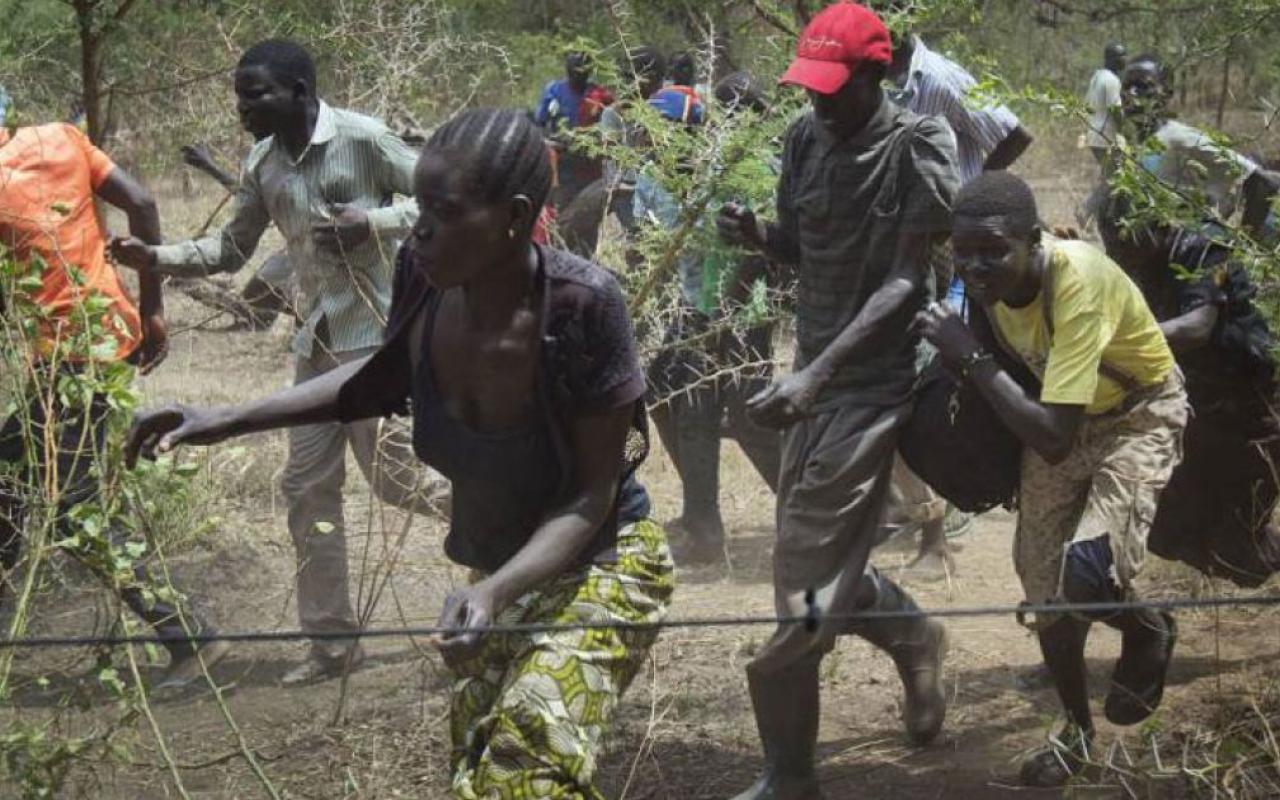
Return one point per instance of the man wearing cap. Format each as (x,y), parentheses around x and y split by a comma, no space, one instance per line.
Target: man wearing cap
(864,199)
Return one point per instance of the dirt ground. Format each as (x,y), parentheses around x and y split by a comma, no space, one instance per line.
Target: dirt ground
(685,730)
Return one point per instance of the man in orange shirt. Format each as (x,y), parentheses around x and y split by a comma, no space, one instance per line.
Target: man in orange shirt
(49,177)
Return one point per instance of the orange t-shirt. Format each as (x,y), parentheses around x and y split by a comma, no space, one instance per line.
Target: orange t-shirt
(48,176)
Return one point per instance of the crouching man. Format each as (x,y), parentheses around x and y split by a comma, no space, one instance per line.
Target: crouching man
(1102,440)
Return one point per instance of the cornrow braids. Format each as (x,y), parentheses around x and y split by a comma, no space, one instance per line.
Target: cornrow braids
(999,194)
(286,60)
(502,151)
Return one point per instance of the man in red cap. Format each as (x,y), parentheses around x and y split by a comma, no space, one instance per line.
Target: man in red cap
(864,200)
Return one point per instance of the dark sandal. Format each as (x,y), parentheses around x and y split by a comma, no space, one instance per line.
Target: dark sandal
(1055,765)
(1137,684)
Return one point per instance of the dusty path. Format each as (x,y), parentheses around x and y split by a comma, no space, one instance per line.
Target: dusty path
(685,730)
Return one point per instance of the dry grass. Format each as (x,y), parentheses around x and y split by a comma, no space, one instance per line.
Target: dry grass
(685,729)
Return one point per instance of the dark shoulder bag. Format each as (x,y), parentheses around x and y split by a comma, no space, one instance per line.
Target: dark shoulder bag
(956,442)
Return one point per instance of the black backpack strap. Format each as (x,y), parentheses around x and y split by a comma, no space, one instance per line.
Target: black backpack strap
(998,334)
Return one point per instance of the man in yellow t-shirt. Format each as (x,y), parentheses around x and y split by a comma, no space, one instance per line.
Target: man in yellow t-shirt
(1101,437)
(1098,317)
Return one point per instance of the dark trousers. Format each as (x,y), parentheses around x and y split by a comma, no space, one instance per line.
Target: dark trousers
(696,410)
(576,171)
(77,437)
(579,221)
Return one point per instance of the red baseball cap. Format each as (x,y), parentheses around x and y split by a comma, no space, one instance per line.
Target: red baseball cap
(841,38)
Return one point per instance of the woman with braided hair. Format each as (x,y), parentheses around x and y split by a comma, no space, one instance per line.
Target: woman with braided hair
(519,366)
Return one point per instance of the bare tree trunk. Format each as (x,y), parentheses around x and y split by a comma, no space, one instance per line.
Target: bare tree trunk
(90,63)
(802,11)
(95,24)
(1225,89)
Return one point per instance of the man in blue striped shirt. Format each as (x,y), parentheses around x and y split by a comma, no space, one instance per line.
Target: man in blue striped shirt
(930,84)
(987,138)
(328,179)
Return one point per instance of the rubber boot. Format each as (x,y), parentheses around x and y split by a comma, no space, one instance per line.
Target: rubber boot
(697,424)
(917,646)
(786,706)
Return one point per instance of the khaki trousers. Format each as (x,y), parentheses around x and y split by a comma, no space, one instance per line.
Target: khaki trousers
(312,485)
(1109,486)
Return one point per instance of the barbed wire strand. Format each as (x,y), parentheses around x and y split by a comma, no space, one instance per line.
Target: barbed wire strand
(811,620)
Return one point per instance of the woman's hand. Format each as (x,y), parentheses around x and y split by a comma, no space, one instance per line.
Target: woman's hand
(472,608)
(160,430)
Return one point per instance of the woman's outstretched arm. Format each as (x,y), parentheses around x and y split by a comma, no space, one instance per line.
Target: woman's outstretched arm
(315,401)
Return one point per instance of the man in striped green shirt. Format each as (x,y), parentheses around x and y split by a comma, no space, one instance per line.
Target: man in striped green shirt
(328,179)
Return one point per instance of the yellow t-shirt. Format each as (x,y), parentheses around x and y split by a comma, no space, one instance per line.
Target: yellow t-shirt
(1099,315)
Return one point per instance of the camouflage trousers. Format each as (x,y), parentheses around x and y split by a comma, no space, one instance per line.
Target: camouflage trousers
(1108,486)
(529,712)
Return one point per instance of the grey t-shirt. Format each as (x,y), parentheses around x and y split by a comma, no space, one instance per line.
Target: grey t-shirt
(1189,160)
(849,214)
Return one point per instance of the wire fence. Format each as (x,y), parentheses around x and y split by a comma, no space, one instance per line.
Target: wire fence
(812,619)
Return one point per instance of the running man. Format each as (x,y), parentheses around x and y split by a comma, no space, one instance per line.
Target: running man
(689,408)
(1103,130)
(50,177)
(326,178)
(860,235)
(1217,513)
(572,102)
(1203,171)
(987,138)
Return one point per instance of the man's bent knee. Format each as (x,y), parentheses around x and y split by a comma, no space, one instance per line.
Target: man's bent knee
(1089,575)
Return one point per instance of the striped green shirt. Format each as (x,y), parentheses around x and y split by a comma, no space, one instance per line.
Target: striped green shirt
(352,159)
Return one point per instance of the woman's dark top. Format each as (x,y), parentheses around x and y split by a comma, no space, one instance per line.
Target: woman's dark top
(506,483)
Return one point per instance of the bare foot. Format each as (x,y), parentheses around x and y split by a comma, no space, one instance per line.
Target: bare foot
(931,566)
